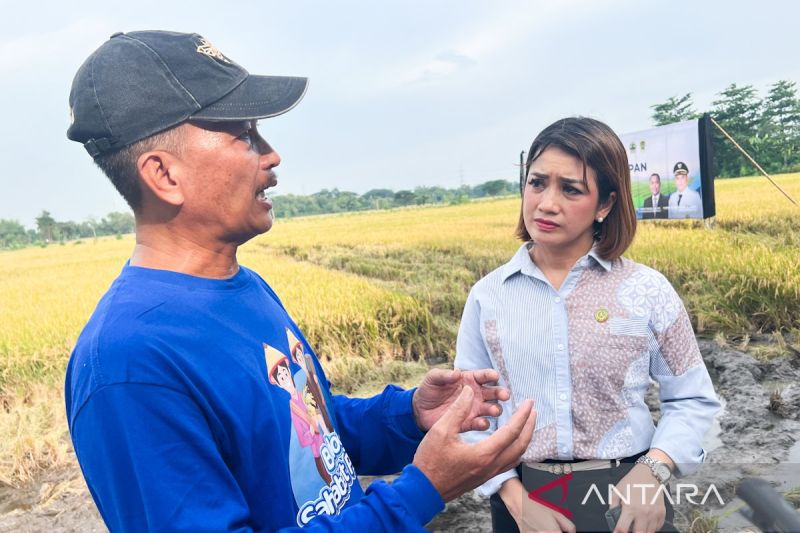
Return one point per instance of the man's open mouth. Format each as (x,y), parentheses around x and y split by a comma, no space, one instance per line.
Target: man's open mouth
(261,195)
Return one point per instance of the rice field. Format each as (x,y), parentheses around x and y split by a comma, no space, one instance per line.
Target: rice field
(377,291)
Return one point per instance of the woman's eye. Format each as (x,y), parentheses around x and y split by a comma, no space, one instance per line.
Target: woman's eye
(571,190)
(536,183)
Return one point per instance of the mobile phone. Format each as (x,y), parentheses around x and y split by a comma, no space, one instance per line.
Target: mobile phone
(612,515)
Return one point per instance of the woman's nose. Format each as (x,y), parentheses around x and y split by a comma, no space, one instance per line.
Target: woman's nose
(549,199)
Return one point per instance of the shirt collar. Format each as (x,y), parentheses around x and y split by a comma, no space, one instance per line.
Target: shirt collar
(605,263)
(521,262)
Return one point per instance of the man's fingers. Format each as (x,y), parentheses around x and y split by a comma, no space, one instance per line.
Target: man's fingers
(458,410)
(513,453)
(485,376)
(508,442)
(518,422)
(489,409)
(479,424)
(440,376)
(494,394)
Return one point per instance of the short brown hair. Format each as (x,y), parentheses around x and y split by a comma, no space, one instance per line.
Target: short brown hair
(599,148)
(121,165)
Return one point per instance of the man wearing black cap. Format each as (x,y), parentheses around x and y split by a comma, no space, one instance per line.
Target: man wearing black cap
(188,402)
(685,202)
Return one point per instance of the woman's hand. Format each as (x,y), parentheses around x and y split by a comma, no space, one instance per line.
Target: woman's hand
(529,515)
(645,510)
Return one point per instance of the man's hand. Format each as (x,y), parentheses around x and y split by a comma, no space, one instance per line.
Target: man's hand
(645,510)
(454,466)
(440,388)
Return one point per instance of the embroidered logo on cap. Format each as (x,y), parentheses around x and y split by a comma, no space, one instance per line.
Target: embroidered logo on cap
(205,47)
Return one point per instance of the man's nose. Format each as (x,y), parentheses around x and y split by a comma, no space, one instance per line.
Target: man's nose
(270,156)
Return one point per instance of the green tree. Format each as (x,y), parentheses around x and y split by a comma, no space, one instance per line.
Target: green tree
(431,195)
(780,125)
(46,225)
(675,109)
(378,198)
(116,223)
(347,201)
(738,110)
(405,198)
(493,188)
(324,200)
(12,234)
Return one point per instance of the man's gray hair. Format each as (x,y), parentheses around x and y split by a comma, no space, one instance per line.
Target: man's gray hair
(121,165)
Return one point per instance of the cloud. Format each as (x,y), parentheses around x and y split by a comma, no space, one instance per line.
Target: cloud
(500,29)
(446,63)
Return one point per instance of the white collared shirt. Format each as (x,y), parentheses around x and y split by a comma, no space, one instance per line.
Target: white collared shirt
(585,354)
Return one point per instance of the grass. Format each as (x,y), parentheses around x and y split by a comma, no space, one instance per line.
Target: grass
(702,523)
(793,497)
(33,434)
(378,292)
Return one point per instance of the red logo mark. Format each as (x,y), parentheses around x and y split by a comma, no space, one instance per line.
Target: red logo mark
(563,481)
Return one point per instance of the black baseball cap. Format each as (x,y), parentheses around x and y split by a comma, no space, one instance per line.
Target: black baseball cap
(680,168)
(140,83)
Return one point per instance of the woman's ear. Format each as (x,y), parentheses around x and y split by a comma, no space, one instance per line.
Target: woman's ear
(161,176)
(605,208)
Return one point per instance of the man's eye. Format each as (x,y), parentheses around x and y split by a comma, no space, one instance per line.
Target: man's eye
(247,137)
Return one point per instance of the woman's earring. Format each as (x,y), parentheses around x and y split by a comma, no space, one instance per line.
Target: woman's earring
(600,219)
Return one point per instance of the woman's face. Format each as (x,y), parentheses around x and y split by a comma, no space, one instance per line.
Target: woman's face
(557,207)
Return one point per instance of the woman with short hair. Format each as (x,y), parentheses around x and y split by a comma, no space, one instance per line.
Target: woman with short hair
(581,330)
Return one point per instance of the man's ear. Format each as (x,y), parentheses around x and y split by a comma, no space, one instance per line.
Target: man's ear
(160,173)
(606,207)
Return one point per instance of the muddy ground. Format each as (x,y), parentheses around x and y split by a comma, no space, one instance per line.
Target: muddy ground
(757,429)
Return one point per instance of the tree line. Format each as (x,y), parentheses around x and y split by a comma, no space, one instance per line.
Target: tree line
(767,127)
(49,230)
(336,201)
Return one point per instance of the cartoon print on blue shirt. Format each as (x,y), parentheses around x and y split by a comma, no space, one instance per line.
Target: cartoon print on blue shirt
(320,470)
(308,384)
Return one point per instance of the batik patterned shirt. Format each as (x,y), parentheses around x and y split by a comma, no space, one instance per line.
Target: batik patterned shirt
(586,354)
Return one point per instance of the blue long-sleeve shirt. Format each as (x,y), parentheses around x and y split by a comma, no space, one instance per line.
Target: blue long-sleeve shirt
(197,405)
(585,353)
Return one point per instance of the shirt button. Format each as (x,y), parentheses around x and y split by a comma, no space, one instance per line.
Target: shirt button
(562,396)
(560,346)
(558,299)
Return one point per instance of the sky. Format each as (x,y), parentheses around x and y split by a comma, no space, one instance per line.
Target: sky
(401,94)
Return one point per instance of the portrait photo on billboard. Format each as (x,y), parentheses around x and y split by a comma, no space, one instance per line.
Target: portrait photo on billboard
(670,170)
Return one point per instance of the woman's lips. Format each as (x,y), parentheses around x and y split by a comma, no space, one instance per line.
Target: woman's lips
(545,225)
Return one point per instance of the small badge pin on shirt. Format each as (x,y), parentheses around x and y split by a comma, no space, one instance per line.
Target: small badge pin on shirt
(601,315)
